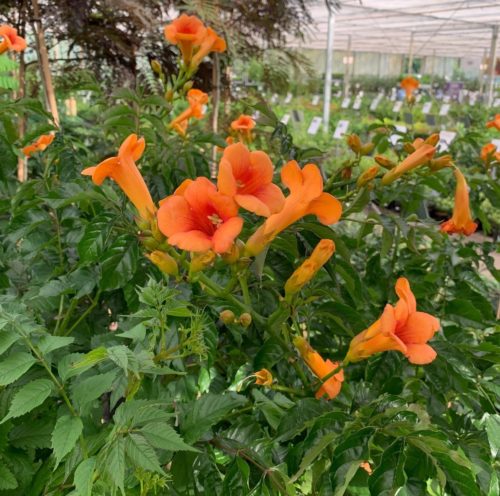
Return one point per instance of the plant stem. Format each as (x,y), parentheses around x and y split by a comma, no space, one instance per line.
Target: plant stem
(94,303)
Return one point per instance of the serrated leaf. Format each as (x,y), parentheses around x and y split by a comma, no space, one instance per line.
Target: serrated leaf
(136,413)
(141,453)
(50,343)
(91,388)
(66,432)
(492,423)
(7,479)
(119,355)
(33,434)
(389,475)
(163,436)
(114,463)
(119,263)
(29,397)
(14,366)
(7,339)
(84,477)
(91,246)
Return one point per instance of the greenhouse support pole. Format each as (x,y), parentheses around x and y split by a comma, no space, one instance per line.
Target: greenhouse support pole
(43,58)
(328,72)
(491,68)
(347,70)
(215,110)
(410,54)
(482,72)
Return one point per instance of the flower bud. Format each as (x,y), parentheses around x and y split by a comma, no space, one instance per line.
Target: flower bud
(164,262)
(200,261)
(149,243)
(441,162)
(409,148)
(367,176)
(346,173)
(142,224)
(433,139)
(384,162)
(227,316)
(245,319)
(187,86)
(354,143)
(156,66)
(233,255)
(169,95)
(367,148)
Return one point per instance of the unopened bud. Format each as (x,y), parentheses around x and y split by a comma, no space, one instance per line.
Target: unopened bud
(169,95)
(408,148)
(346,173)
(354,143)
(245,319)
(227,316)
(367,148)
(233,255)
(433,139)
(384,162)
(441,162)
(156,66)
(149,243)
(367,176)
(187,86)
(200,261)
(164,262)
(142,224)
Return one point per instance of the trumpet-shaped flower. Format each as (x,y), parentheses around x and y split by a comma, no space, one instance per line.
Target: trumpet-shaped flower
(461,220)
(39,145)
(306,198)
(198,218)
(409,84)
(488,153)
(188,32)
(212,42)
(494,122)
(263,377)
(244,125)
(400,328)
(123,170)
(309,268)
(196,100)
(247,177)
(423,154)
(320,368)
(10,40)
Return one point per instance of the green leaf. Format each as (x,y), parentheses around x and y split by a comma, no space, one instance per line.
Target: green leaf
(141,453)
(119,355)
(33,434)
(163,436)
(14,366)
(268,355)
(119,263)
(7,479)
(389,475)
(136,413)
(29,397)
(84,477)
(492,423)
(66,432)
(7,339)
(114,463)
(50,343)
(91,388)
(203,413)
(91,246)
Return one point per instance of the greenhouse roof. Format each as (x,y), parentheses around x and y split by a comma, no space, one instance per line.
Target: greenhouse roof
(456,28)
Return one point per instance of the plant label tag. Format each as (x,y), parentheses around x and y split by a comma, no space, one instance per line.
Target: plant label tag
(256,115)
(285,119)
(357,103)
(274,98)
(397,106)
(445,139)
(394,138)
(445,108)
(288,98)
(418,98)
(345,103)
(496,142)
(315,100)
(496,102)
(426,108)
(341,129)
(314,126)
(375,102)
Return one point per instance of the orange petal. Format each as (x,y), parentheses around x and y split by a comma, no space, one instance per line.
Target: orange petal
(253,204)
(420,354)
(404,291)
(326,208)
(191,241)
(225,235)
(419,328)
(312,181)
(272,196)
(226,182)
(174,216)
(238,156)
(103,170)
(291,175)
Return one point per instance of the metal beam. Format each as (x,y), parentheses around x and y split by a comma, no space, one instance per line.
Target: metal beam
(328,71)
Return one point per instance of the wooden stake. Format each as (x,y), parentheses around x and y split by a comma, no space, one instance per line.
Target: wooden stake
(215,109)
(43,58)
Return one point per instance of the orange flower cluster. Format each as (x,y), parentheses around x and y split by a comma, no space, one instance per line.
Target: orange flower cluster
(410,85)
(10,40)
(494,122)
(196,101)
(489,154)
(39,145)
(194,39)
(243,127)
(400,328)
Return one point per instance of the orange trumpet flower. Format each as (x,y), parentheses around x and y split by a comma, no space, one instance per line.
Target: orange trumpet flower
(212,42)
(187,32)
(400,328)
(488,153)
(409,84)
(494,123)
(247,177)
(263,377)
(306,198)
(309,268)
(422,154)
(10,39)
(199,218)
(196,100)
(124,171)
(320,368)
(39,145)
(243,125)
(461,220)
